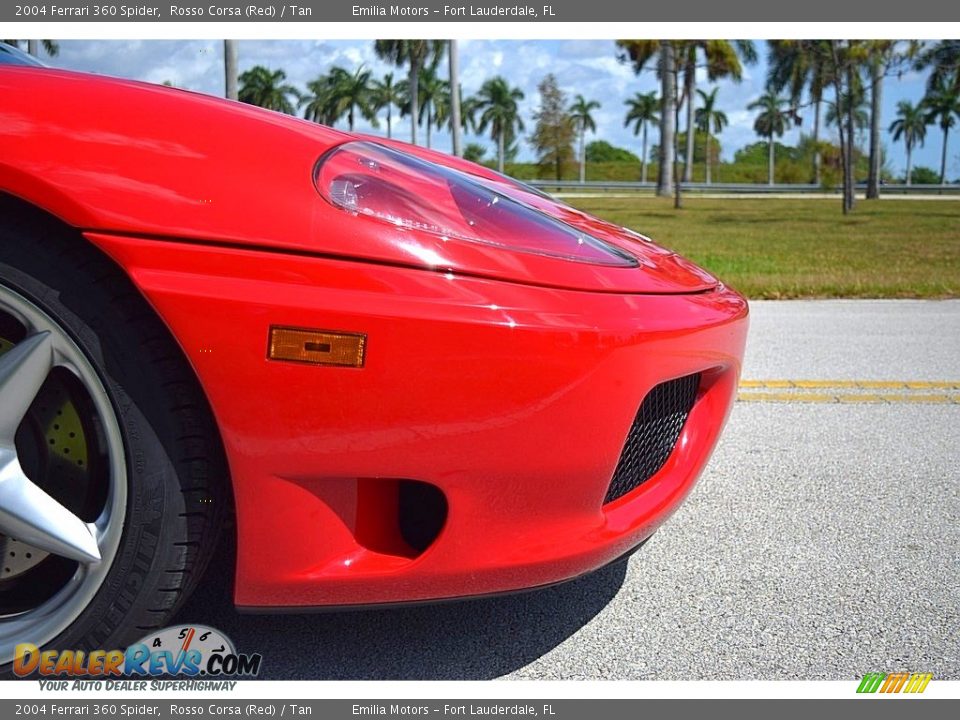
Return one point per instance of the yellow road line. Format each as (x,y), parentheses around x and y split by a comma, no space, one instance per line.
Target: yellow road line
(825,383)
(777,384)
(859,384)
(785,397)
(849,398)
(862,398)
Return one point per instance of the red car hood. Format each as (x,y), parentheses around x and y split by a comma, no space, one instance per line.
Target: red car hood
(127,157)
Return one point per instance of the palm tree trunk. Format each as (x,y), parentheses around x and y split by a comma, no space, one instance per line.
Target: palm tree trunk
(844,160)
(851,169)
(909,162)
(668,104)
(677,185)
(707,148)
(943,156)
(33,47)
(845,155)
(817,177)
(876,93)
(455,127)
(389,121)
(583,156)
(230,68)
(429,125)
(643,159)
(770,160)
(500,151)
(690,85)
(414,81)
(350,118)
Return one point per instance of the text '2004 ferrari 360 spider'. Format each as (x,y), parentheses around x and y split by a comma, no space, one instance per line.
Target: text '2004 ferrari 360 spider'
(409,377)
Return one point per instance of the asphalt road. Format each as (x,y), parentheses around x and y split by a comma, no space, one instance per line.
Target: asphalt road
(854,339)
(823,542)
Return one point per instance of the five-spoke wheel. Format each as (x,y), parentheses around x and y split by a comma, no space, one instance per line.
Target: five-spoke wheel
(63,482)
(113,482)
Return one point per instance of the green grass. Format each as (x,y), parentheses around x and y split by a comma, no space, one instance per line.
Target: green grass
(776,248)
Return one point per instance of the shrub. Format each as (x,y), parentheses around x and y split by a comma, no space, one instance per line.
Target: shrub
(921,175)
(602,151)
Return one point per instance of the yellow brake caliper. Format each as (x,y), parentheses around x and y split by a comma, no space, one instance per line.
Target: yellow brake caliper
(56,415)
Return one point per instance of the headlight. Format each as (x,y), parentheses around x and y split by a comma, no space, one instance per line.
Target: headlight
(403,191)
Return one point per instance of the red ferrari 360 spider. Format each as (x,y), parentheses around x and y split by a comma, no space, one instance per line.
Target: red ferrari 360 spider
(409,377)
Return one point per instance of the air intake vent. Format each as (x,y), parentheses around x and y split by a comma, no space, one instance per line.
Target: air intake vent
(654,434)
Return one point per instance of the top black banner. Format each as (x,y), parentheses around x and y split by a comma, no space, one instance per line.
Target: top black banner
(578,11)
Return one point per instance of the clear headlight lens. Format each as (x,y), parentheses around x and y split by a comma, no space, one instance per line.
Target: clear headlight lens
(403,191)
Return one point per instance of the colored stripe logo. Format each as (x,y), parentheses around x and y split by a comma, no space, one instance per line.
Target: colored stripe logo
(894,682)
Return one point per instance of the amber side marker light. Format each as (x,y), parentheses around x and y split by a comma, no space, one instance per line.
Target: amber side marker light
(317,347)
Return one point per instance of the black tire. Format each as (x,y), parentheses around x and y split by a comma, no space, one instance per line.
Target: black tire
(177,481)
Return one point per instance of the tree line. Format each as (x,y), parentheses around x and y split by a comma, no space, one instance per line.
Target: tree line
(844,76)
(425,96)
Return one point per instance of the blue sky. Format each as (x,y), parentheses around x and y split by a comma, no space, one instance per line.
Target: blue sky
(589,67)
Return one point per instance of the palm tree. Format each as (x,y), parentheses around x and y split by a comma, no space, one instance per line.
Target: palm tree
(881,57)
(663,52)
(911,125)
(580,112)
(793,66)
(774,120)
(434,93)
(474,152)
(880,54)
(265,88)
(445,108)
(468,113)
(321,102)
(385,93)
(944,58)
(339,94)
(230,69)
(942,104)
(846,60)
(416,54)
(456,122)
(722,59)
(496,104)
(859,112)
(642,109)
(669,112)
(351,92)
(710,119)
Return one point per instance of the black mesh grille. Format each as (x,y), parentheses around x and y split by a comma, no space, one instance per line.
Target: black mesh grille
(653,434)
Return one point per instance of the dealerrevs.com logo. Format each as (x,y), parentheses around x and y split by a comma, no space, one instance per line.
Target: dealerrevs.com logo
(193,651)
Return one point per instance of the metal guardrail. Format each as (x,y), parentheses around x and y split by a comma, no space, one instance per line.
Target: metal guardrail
(744,188)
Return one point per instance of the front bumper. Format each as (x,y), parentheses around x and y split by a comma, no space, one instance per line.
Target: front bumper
(513,400)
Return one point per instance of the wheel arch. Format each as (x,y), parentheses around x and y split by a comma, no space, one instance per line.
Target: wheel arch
(37,194)
(60,214)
